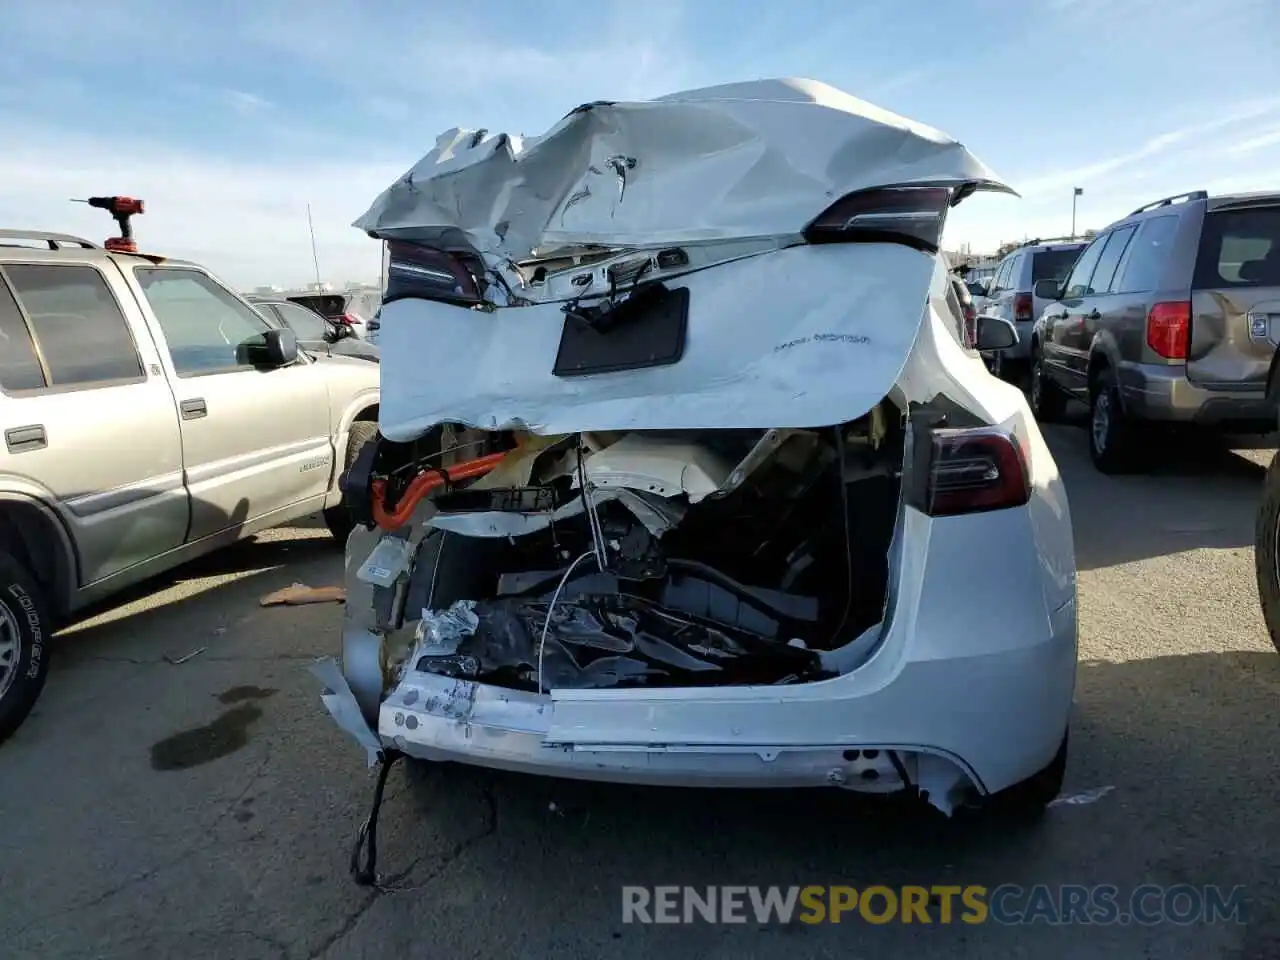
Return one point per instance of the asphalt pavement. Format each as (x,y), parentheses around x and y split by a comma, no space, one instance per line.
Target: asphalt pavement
(207,808)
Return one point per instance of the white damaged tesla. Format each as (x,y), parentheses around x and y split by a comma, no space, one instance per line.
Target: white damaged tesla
(689,470)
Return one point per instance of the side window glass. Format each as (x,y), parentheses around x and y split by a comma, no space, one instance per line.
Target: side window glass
(1015,272)
(305,324)
(19,365)
(206,328)
(80,330)
(1078,283)
(1105,272)
(1147,255)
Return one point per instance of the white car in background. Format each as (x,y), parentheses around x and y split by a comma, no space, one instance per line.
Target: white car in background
(686,474)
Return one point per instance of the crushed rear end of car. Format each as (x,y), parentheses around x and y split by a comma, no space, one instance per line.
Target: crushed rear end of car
(684,476)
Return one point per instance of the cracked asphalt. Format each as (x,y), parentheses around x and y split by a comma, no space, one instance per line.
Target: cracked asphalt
(207,809)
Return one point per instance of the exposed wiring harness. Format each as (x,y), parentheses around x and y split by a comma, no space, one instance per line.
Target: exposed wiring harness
(424,483)
(546,624)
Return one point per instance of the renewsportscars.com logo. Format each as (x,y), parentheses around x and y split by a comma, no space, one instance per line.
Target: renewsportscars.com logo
(1007,904)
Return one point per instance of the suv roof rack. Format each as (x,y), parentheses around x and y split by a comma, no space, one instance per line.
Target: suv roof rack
(1167,201)
(1042,241)
(55,240)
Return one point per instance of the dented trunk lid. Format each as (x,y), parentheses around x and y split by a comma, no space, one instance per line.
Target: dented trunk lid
(779,333)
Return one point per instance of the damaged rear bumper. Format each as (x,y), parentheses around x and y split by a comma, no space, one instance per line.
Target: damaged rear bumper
(955,729)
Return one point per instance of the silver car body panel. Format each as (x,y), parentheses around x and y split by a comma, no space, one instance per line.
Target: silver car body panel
(741,160)
(968,678)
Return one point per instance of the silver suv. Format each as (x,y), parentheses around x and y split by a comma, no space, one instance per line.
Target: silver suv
(1010,295)
(1171,316)
(150,416)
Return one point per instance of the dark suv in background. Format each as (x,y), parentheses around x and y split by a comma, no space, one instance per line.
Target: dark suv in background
(1170,316)
(351,310)
(1010,295)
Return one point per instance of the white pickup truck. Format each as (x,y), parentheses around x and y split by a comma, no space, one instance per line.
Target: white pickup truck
(150,415)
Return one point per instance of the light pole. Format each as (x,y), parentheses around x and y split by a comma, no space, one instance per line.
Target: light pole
(1074,193)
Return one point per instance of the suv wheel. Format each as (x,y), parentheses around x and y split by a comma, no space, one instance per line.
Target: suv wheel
(24,647)
(1046,400)
(339,519)
(1266,551)
(1112,439)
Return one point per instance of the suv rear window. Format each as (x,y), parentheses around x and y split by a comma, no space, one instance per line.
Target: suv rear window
(326,304)
(1052,264)
(1239,248)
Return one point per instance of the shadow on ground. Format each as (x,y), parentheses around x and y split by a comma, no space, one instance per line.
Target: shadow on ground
(249,569)
(1191,496)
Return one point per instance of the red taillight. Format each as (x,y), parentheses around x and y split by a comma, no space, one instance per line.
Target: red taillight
(1169,328)
(1023,307)
(970,327)
(910,215)
(350,320)
(972,470)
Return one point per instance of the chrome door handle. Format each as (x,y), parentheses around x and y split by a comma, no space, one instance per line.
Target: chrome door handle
(194,408)
(24,439)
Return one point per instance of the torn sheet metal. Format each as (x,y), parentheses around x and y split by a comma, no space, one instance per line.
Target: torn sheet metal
(740,160)
(342,706)
(659,465)
(803,337)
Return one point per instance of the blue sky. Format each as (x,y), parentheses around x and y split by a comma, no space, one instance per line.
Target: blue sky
(230,117)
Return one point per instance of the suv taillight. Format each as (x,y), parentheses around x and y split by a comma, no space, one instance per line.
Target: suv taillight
(1023,307)
(1169,328)
(350,320)
(417,271)
(910,215)
(975,469)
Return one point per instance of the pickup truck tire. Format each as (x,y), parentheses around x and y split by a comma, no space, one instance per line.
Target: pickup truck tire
(1266,551)
(24,643)
(340,520)
(1113,440)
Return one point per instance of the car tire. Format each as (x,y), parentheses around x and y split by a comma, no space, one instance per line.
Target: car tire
(340,519)
(1047,402)
(1030,798)
(24,643)
(1112,437)
(1266,551)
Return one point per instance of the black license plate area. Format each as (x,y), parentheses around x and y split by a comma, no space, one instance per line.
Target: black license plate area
(648,329)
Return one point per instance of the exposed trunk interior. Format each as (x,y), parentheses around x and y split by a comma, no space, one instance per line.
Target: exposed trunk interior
(691,559)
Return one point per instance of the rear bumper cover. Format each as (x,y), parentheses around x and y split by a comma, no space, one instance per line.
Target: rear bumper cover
(1154,392)
(956,727)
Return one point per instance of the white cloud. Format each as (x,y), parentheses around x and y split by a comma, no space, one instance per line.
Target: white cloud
(246,103)
(244,221)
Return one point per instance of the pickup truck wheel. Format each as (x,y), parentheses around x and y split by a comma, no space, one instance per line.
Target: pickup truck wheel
(1112,438)
(1266,551)
(1047,402)
(340,519)
(24,644)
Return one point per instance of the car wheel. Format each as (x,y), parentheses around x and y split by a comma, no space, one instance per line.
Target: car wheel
(340,520)
(1047,401)
(1032,796)
(24,646)
(1266,551)
(1112,440)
